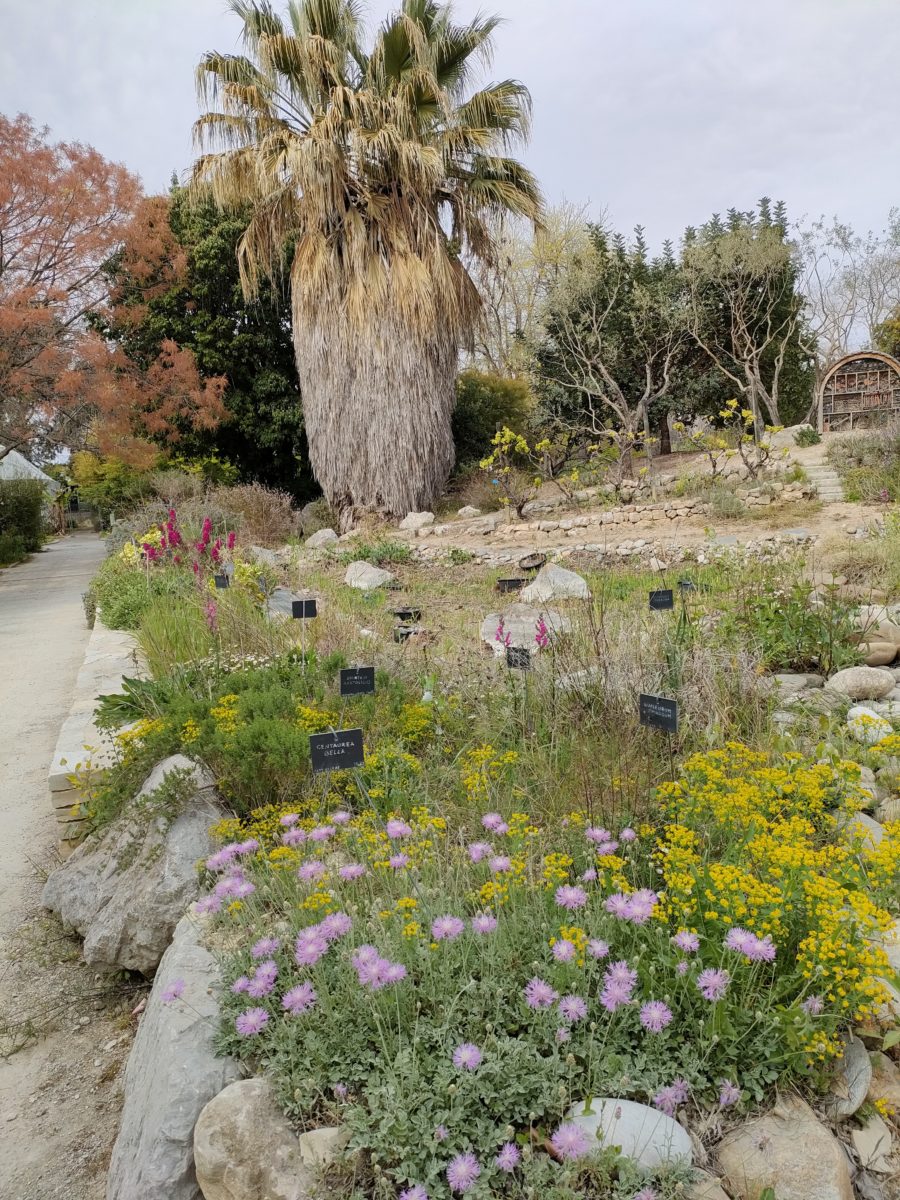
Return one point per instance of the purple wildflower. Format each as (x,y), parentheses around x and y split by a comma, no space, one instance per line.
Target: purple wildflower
(500,863)
(655,1016)
(207,904)
(572,1009)
(240,984)
(447,928)
(492,821)
(618,905)
(265,947)
(293,837)
(682,966)
(618,985)
(564,950)
(562,1034)
(173,991)
(479,850)
(687,943)
(467,1057)
(594,834)
(646,1193)
(541,634)
(813,1006)
(340,817)
(729,1093)
(311,870)
(712,983)
(627,835)
(352,871)
(416,1192)
(311,945)
(335,925)
(597,948)
(462,1172)
(753,948)
(321,833)
(399,861)
(398,829)
(571,897)
(289,819)
(440,1133)
(590,875)
(244,889)
(484,923)
(571,1141)
(248,847)
(509,1156)
(667,1099)
(222,858)
(604,848)
(299,999)
(539,994)
(252,1021)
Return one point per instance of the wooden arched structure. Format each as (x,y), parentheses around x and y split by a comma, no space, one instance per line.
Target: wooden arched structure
(859,389)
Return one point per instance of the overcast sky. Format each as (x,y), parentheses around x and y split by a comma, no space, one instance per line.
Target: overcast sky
(658,111)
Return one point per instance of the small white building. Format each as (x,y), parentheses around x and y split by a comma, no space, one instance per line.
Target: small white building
(16,466)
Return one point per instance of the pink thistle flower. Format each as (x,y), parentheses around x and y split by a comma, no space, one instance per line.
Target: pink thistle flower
(321,833)
(572,1009)
(240,984)
(340,818)
(251,1022)
(260,986)
(479,850)
(249,847)
(397,829)
(738,939)
(352,871)
(627,835)
(335,925)
(462,1172)
(646,1193)
(311,870)
(447,928)
(293,837)
(222,858)
(813,1006)
(539,994)
(589,876)
(467,1057)
(416,1192)
(618,905)
(682,966)
(399,861)
(500,863)
(173,991)
(265,947)
(493,821)
(668,1099)
(299,999)
(244,889)
(483,923)
(570,1141)
(310,947)
(289,819)
(713,983)
(655,1016)
(687,943)
(509,1157)
(597,948)
(729,1093)
(564,950)
(615,995)
(571,897)
(597,835)
(440,1133)
(562,1035)
(208,904)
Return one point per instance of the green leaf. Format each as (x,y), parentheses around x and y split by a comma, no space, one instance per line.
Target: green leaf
(891,1039)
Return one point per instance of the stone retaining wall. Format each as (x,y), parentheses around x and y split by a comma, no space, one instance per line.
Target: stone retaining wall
(110,655)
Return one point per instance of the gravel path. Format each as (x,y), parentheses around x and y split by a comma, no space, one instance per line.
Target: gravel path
(56,1114)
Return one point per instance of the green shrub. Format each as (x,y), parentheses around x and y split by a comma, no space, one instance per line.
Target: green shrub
(807,436)
(868,463)
(12,548)
(380,553)
(22,512)
(484,404)
(123,593)
(724,503)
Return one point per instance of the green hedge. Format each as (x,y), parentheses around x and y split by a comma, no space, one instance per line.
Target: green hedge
(21,515)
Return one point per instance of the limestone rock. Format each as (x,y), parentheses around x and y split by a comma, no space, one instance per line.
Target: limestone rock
(520,625)
(366,577)
(885,1081)
(788,1151)
(319,1148)
(879,654)
(245,1148)
(873,1144)
(125,889)
(469,510)
(172,1073)
(642,1133)
(850,1083)
(705,1187)
(860,824)
(866,725)
(322,537)
(790,685)
(553,582)
(861,683)
(888,810)
(417,520)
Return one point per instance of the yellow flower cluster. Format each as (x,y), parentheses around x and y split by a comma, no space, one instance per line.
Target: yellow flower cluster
(127,738)
(314,720)
(132,554)
(481,768)
(225,713)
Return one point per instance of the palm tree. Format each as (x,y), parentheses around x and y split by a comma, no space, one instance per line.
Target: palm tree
(372,177)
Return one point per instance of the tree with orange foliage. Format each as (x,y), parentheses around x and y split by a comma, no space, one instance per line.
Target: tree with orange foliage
(64,211)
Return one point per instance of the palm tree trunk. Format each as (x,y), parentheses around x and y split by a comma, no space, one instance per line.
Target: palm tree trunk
(377,402)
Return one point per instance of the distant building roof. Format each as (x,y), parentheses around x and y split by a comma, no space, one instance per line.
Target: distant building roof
(16,466)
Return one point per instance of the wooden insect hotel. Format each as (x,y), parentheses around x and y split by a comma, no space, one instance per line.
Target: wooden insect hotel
(859,390)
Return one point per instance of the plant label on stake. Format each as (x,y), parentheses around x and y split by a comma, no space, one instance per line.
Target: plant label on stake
(303,610)
(221,581)
(661,599)
(518,658)
(341,750)
(357,681)
(510,585)
(658,712)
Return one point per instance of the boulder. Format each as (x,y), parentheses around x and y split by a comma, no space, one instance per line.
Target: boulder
(879,654)
(322,537)
(553,582)
(866,726)
(417,520)
(885,1082)
(520,625)
(173,1072)
(788,1151)
(888,810)
(873,1145)
(319,1148)
(245,1148)
(366,577)
(705,1187)
(850,1082)
(125,888)
(468,510)
(861,825)
(861,683)
(643,1134)
(790,685)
